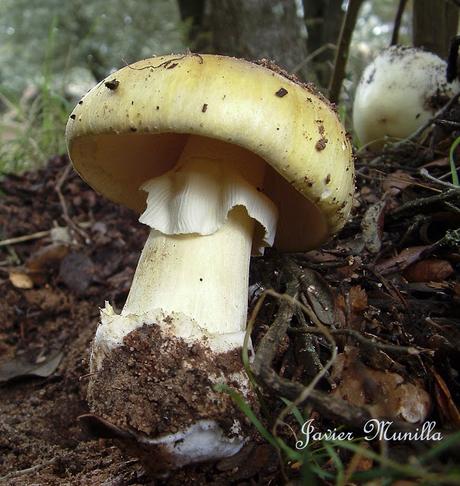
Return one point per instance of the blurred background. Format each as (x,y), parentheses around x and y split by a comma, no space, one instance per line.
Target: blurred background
(53,51)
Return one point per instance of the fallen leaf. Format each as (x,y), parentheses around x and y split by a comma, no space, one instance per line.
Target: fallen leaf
(385,393)
(445,402)
(20,367)
(359,462)
(456,289)
(20,280)
(357,298)
(397,181)
(319,256)
(429,270)
(44,260)
(319,295)
(368,195)
(401,261)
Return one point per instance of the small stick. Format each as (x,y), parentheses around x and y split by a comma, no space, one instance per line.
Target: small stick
(343,47)
(395,348)
(65,212)
(422,203)
(21,239)
(34,236)
(424,173)
(397,24)
(312,55)
(22,472)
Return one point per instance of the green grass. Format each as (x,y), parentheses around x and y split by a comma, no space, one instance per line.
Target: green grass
(32,132)
(453,168)
(32,128)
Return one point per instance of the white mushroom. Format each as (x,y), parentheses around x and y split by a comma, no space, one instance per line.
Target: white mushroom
(398,92)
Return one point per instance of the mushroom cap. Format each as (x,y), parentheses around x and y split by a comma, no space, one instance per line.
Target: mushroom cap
(134,124)
(398,92)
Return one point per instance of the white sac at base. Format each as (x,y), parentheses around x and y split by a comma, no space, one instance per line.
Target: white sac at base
(202,441)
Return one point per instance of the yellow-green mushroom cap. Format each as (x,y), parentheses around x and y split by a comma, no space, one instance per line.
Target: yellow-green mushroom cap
(133,125)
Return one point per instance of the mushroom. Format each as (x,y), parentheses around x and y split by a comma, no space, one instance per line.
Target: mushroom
(398,92)
(223,158)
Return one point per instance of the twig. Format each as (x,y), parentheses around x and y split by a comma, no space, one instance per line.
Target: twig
(21,239)
(65,212)
(424,173)
(269,343)
(423,203)
(448,123)
(22,472)
(395,348)
(312,55)
(34,236)
(328,406)
(343,47)
(303,396)
(397,24)
(415,224)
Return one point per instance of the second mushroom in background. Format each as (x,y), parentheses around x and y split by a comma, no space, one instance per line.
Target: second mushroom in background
(398,92)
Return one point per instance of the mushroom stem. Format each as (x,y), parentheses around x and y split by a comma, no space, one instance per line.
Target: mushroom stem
(204,277)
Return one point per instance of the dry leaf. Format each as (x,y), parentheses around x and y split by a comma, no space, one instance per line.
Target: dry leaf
(20,280)
(429,270)
(77,272)
(402,260)
(319,295)
(46,257)
(387,394)
(444,400)
(359,462)
(397,181)
(357,298)
(20,367)
(319,256)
